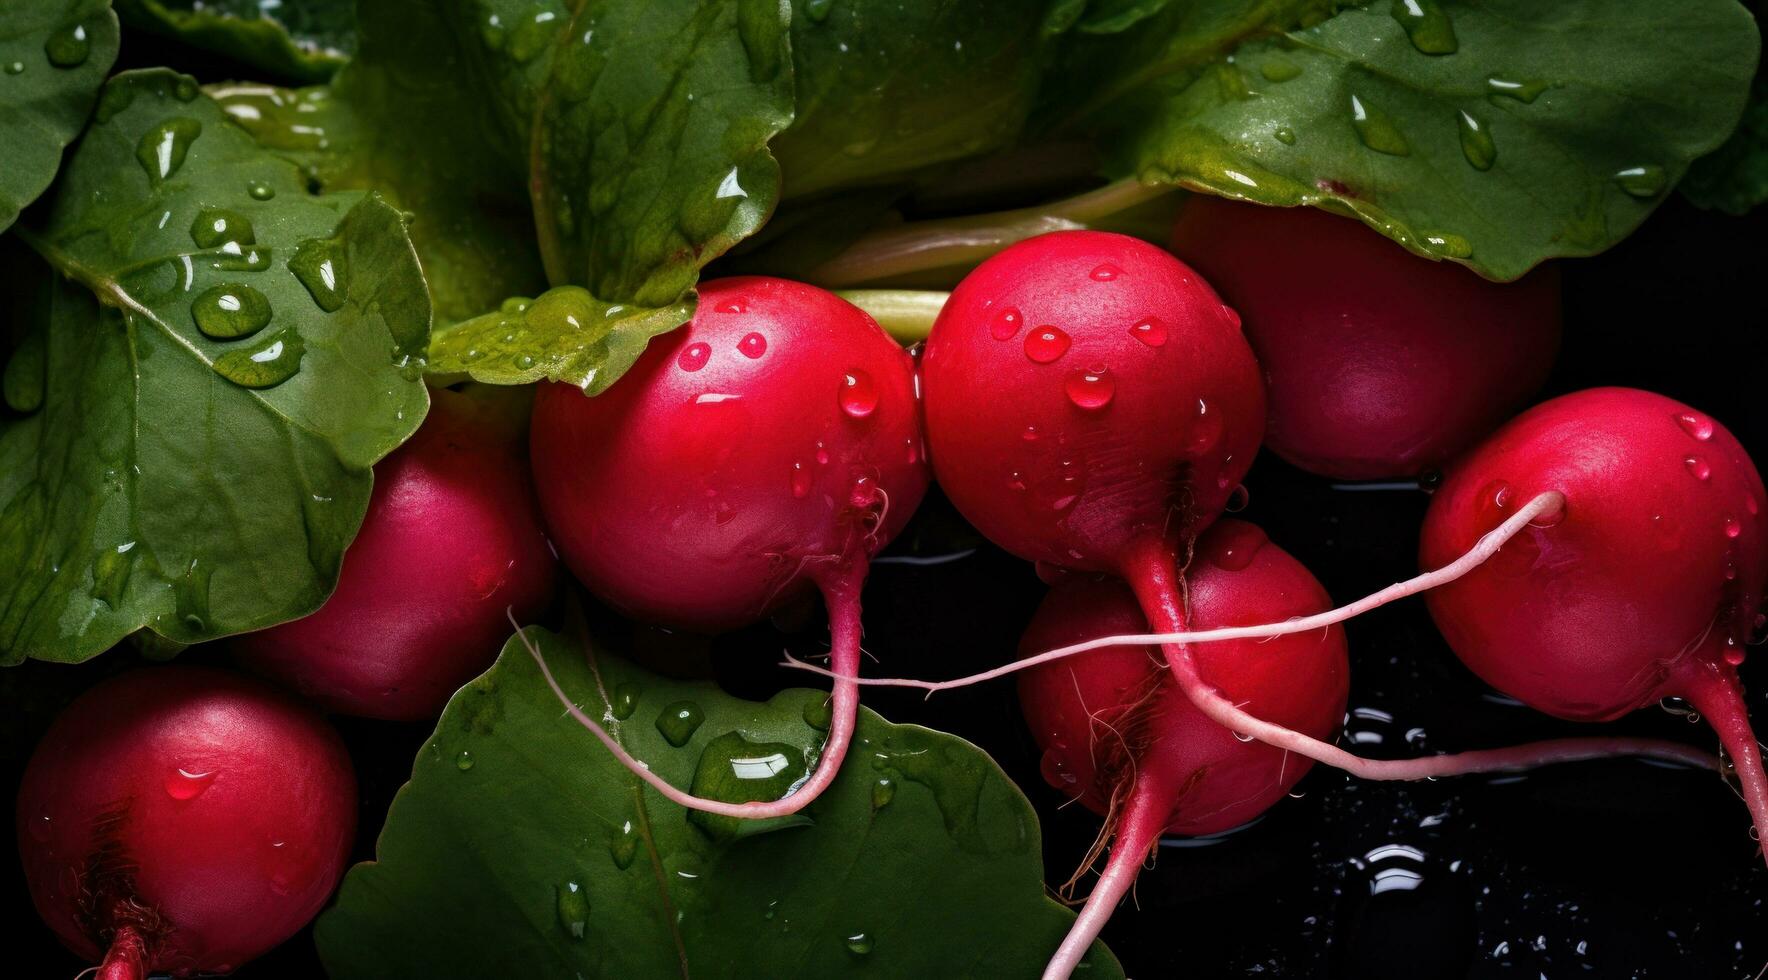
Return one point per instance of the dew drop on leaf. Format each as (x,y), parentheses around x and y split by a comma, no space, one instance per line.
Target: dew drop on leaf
(1476,142)
(68,47)
(1644,181)
(162,149)
(573,909)
(678,722)
(219,227)
(1427,24)
(320,267)
(230,311)
(266,365)
(1376,130)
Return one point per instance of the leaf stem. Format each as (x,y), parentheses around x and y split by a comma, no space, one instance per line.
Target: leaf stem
(906,314)
(945,243)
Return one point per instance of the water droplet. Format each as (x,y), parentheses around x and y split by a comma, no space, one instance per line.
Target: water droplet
(735,304)
(1236,545)
(1285,135)
(752,345)
(859,944)
(822,455)
(858,395)
(1106,272)
(1696,425)
(320,266)
(1277,68)
(183,784)
(1046,344)
(1522,91)
(230,311)
(1150,331)
(68,47)
(463,761)
(817,714)
(1476,142)
(1448,244)
(15,68)
(1232,317)
(801,480)
(678,722)
(1427,24)
(253,259)
(1238,499)
(260,191)
(1241,738)
(573,909)
(162,149)
(694,356)
(625,701)
(1749,504)
(883,791)
(1698,467)
(1091,390)
(624,846)
(1502,494)
(1015,481)
(1734,656)
(1732,527)
(266,365)
(1644,181)
(1005,324)
(1030,434)
(1376,130)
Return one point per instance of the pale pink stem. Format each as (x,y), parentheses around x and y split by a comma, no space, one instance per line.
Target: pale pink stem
(1143,820)
(1714,689)
(1152,573)
(844,628)
(1545,504)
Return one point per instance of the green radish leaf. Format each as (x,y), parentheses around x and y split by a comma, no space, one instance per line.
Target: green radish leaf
(300,40)
(565,334)
(1734,178)
(886,91)
(410,118)
(644,125)
(221,359)
(1495,134)
(522,848)
(54,55)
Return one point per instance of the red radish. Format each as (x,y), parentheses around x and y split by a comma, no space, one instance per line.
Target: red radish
(1379,363)
(451,540)
(771,446)
(1118,734)
(1645,585)
(1089,400)
(1091,404)
(183,820)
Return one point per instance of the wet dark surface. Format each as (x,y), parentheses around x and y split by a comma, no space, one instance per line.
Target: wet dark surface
(1615,869)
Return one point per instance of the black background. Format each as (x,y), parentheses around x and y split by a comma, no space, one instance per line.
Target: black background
(1611,869)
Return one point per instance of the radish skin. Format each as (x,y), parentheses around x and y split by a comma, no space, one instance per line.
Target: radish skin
(1650,583)
(770,447)
(183,820)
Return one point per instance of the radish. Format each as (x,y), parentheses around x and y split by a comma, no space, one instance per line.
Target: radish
(1118,735)
(451,540)
(1646,584)
(1091,405)
(1379,363)
(770,446)
(183,820)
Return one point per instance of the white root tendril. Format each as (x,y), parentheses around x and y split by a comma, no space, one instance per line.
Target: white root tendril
(802,794)
(1543,505)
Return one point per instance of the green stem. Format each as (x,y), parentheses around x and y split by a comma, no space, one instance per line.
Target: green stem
(958,243)
(906,314)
